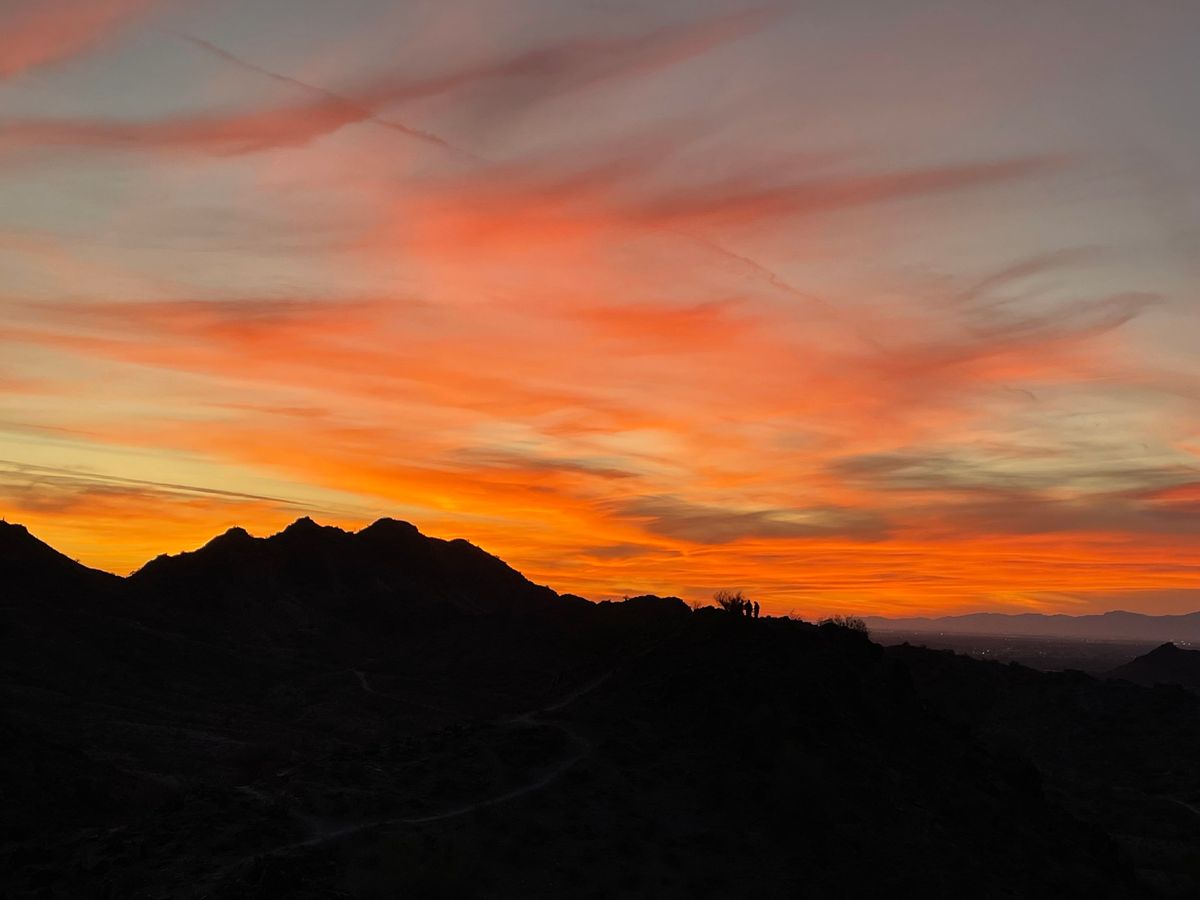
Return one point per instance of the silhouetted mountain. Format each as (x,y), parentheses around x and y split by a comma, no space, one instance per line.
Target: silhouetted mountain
(1167,664)
(1116,625)
(322,713)
(32,569)
(310,577)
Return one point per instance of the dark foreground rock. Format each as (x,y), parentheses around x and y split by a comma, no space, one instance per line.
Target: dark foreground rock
(327,714)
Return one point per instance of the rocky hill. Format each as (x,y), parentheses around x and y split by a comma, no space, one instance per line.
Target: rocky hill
(323,713)
(1167,665)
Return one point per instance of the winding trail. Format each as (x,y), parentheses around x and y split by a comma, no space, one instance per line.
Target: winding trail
(1193,810)
(531,719)
(369,688)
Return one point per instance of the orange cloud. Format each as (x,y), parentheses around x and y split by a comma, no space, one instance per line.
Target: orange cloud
(49,31)
(646,355)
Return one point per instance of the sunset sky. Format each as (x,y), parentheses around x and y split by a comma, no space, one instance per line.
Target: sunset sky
(856,306)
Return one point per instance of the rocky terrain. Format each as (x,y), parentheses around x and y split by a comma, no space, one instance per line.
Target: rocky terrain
(377,714)
(1165,665)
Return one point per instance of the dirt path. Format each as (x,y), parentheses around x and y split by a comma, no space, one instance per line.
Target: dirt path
(1185,805)
(325,833)
(531,718)
(369,688)
(582,748)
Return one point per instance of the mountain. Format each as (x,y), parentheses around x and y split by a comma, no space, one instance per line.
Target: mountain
(734,758)
(1117,755)
(323,713)
(1167,664)
(30,568)
(1117,625)
(314,578)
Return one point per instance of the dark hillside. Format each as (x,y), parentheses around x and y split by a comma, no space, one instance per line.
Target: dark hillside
(33,571)
(732,758)
(1113,753)
(380,714)
(1167,664)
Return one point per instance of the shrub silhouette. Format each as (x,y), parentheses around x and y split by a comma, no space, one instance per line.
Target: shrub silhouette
(734,603)
(854,623)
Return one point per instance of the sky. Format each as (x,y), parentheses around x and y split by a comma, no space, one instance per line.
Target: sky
(859,307)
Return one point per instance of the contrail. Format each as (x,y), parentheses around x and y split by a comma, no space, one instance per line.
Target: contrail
(364,113)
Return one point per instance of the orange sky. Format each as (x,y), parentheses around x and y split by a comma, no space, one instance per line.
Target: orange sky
(857,313)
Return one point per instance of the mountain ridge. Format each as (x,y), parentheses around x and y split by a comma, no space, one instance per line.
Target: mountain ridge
(246,719)
(30,564)
(1112,625)
(1166,664)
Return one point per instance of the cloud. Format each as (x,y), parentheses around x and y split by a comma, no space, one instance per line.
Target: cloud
(217,133)
(224,321)
(690,344)
(549,70)
(1096,468)
(537,465)
(1081,318)
(561,198)
(983,288)
(1100,489)
(636,552)
(657,327)
(710,524)
(38,33)
(752,199)
(48,489)
(1030,513)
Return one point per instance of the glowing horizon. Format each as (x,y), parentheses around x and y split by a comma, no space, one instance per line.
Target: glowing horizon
(857,311)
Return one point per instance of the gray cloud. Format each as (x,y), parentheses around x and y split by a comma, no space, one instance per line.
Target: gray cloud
(707,524)
(1092,488)
(509,459)
(627,551)
(541,72)
(1094,468)
(43,489)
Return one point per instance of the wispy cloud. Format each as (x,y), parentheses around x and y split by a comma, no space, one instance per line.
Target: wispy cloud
(543,71)
(637,299)
(44,32)
(32,488)
(704,523)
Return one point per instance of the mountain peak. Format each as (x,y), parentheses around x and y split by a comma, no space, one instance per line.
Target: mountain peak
(28,564)
(387,525)
(302,524)
(17,540)
(1166,664)
(306,529)
(13,531)
(315,573)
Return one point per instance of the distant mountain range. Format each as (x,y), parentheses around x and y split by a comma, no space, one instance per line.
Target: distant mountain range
(1117,625)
